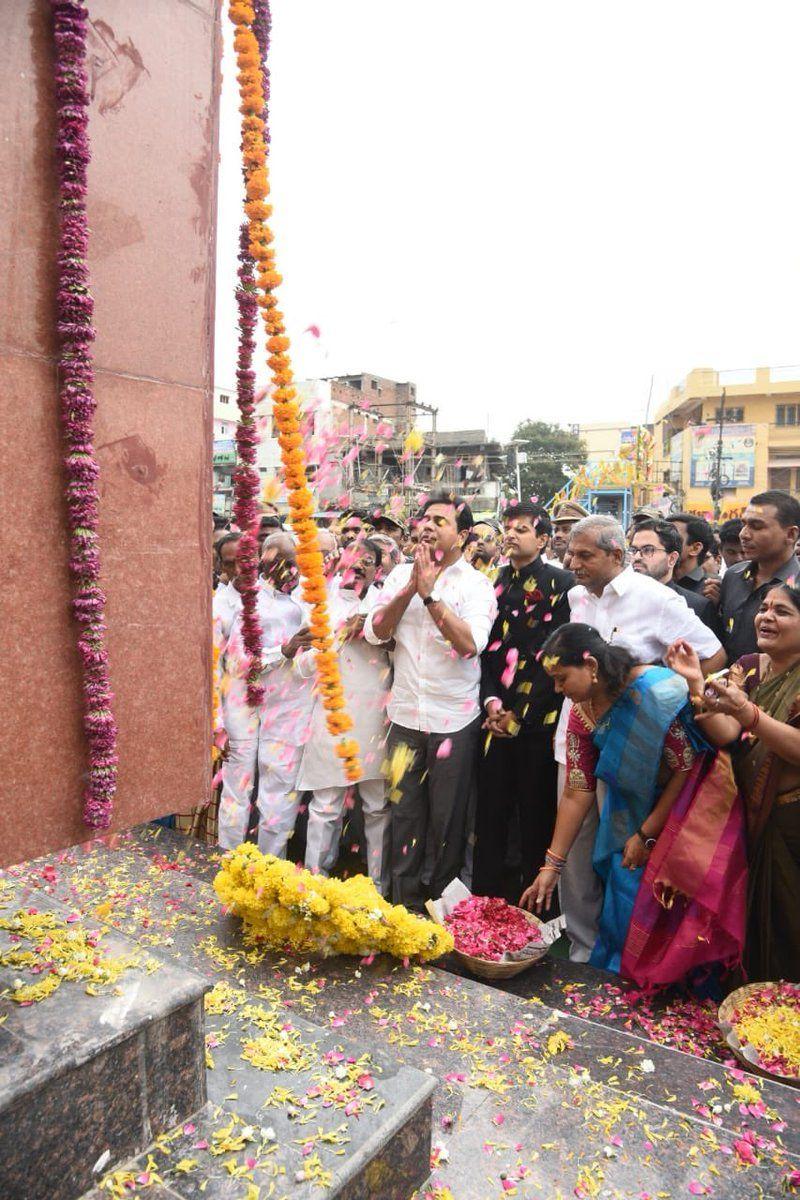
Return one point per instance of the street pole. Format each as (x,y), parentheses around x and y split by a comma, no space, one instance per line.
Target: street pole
(716,494)
(516,461)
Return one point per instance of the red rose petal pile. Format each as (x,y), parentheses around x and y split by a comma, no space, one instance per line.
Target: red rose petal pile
(488,927)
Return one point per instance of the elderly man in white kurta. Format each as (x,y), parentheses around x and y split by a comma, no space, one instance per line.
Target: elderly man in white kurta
(365,678)
(270,736)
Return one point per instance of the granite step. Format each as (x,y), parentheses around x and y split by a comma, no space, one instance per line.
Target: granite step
(310,1112)
(530,1101)
(85,1077)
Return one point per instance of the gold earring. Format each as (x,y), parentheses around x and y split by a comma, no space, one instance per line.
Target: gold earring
(594,676)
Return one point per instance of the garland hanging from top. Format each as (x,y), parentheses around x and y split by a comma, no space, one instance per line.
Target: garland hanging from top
(76,393)
(246,483)
(252,24)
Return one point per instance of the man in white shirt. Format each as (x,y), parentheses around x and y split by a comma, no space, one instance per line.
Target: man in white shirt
(365,679)
(636,612)
(271,736)
(439,611)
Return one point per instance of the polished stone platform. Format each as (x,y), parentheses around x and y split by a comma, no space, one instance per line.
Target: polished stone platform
(85,1075)
(530,1100)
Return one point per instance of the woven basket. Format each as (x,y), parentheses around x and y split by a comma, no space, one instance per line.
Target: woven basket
(725,1013)
(487,968)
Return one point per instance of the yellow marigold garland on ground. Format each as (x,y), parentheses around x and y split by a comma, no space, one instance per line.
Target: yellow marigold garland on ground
(285,907)
(285,406)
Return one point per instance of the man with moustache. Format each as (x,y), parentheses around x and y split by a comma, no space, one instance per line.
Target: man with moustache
(439,611)
(272,735)
(365,679)
(655,548)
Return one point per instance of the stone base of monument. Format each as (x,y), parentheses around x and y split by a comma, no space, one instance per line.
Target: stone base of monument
(88,1077)
(338,1078)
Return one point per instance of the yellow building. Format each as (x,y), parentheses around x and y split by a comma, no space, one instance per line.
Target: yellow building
(760,433)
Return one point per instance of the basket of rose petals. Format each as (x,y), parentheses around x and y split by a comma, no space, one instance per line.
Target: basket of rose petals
(761,1024)
(492,938)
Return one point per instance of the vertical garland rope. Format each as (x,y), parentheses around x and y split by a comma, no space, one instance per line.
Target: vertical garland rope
(252,23)
(77,403)
(246,483)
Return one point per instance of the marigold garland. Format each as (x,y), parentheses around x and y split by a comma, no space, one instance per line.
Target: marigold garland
(283,906)
(252,22)
(246,482)
(76,378)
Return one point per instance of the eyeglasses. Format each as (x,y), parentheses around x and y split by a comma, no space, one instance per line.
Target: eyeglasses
(646,551)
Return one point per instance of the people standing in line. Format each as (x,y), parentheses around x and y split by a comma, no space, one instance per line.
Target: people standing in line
(438,611)
(670,844)
(365,679)
(517,773)
(272,735)
(697,538)
(565,517)
(770,528)
(757,711)
(655,549)
(630,610)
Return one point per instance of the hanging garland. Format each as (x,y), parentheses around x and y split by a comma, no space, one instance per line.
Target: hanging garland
(76,394)
(246,482)
(252,21)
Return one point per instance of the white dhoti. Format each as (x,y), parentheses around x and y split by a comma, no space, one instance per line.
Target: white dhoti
(326,815)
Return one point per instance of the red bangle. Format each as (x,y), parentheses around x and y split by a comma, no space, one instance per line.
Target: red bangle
(756,718)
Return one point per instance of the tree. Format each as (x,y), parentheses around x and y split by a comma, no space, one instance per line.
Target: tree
(548,449)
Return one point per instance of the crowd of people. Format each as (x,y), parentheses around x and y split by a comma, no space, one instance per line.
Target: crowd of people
(555,709)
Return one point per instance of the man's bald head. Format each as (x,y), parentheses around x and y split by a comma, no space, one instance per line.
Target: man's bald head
(279,561)
(280,541)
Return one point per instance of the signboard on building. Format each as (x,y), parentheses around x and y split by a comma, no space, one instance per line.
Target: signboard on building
(224,451)
(738,460)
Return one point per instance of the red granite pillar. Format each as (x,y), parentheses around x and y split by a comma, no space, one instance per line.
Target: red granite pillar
(154,76)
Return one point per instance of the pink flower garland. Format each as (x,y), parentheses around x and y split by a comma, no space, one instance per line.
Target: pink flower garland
(246,481)
(76,377)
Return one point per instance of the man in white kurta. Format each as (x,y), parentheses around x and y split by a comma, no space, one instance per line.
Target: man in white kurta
(270,736)
(365,679)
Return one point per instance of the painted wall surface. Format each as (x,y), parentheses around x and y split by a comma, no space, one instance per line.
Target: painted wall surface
(154,76)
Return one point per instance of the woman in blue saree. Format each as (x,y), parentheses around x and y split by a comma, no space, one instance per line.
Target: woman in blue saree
(670,844)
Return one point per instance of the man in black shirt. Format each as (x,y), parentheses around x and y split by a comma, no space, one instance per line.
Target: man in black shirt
(697,538)
(770,527)
(517,770)
(655,549)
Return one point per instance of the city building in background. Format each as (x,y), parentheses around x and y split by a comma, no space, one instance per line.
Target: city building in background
(223,459)
(620,473)
(722,435)
(370,444)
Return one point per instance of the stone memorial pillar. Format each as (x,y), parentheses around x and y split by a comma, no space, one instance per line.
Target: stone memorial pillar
(154,79)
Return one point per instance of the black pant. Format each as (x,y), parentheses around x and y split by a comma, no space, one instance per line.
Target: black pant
(432,799)
(515,774)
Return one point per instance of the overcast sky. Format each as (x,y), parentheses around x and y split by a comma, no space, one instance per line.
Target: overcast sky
(528,208)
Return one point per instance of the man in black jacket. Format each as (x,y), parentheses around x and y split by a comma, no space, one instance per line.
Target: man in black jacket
(517,772)
(656,548)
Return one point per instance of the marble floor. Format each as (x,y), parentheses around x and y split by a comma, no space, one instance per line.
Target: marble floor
(562,1084)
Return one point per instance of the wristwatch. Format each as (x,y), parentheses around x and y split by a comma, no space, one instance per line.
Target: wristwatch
(428,600)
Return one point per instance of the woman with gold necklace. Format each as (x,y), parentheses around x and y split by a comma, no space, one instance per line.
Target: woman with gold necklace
(670,845)
(757,707)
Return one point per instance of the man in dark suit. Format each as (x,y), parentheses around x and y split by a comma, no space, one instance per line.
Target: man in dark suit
(517,773)
(656,548)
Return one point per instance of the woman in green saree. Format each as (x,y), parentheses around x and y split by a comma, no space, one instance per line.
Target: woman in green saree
(758,707)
